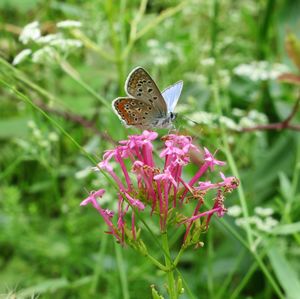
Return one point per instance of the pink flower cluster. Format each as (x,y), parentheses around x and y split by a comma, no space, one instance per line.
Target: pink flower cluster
(162,190)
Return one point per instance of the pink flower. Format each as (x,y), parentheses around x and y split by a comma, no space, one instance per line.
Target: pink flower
(106,214)
(141,186)
(92,197)
(209,158)
(166,176)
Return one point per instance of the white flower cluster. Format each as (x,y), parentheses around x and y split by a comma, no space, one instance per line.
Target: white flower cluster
(52,45)
(203,117)
(69,24)
(244,119)
(260,70)
(249,119)
(31,32)
(45,141)
(162,54)
(262,220)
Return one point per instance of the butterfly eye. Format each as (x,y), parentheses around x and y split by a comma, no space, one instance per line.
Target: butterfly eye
(172,116)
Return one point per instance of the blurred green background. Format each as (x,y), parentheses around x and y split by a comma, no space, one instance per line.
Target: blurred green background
(231,51)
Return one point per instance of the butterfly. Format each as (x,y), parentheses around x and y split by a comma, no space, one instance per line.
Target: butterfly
(145,107)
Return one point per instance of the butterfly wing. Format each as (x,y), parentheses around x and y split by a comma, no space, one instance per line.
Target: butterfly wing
(141,86)
(172,94)
(134,112)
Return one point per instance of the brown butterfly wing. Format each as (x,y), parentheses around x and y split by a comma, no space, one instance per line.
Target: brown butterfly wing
(141,86)
(134,112)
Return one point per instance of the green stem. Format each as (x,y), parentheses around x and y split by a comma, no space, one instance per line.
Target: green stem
(91,45)
(122,273)
(214,28)
(210,254)
(263,34)
(170,273)
(244,281)
(20,77)
(232,164)
(267,273)
(177,259)
(99,265)
(155,262)
(116,43)
(59,127)
(67,68)
(229,277)
(226,147)
(243,198)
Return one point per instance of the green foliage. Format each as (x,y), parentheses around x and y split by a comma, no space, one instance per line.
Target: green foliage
(51,247)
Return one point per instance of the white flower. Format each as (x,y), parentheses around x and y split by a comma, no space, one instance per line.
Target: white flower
(48,38)
(69,24)
(152,43)
(83,173)
(31,124)
(267,225)
(161,60)
(258,116)
(234,211)
(21,56)
(238,112)
(45,54)
(250,220)
(44,143)
(246,122)
(229,123)
(30,32)
(260,70)
(203,117)
(66,44)
(208,61)
(36,133)
(224,77)
(53,136)
(263,211)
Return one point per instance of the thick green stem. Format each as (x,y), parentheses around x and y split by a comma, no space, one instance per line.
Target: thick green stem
(168,261)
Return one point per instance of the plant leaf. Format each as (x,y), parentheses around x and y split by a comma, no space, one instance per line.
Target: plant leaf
(286,275)
(286,229)
(292,44)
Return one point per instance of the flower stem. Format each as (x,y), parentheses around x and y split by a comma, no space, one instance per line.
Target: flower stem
(157,263)
(170,273)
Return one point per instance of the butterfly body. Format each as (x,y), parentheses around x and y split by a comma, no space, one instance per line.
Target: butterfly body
(146,107)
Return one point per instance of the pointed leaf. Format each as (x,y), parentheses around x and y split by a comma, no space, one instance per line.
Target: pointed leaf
(286,275)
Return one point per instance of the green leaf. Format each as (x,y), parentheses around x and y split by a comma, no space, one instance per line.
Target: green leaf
(292,45)
(286,275)
(50,285)
(286,229)
(13,127)
(285,186)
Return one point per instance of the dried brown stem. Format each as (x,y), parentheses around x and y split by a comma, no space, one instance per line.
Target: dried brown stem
(285,124)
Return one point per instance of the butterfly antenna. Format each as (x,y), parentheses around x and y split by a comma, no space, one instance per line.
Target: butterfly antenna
(187,118)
